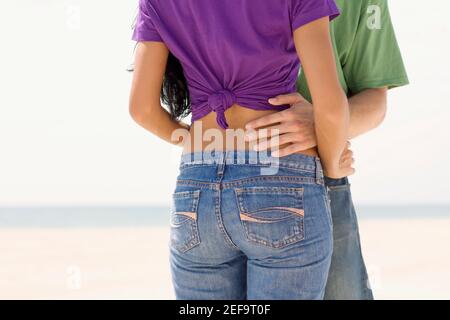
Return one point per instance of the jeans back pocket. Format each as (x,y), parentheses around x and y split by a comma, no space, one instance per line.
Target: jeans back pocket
(183,220)
(272,216)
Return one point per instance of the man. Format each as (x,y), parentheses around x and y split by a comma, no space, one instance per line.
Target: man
(369,63)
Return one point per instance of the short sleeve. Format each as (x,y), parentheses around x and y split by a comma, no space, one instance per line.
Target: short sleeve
(375,60)
(306,11)
(145,29)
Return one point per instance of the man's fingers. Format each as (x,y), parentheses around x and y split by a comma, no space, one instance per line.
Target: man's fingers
(277,141)
(347,162)
(343,173)
(291,149)
(265,121)
(291,98)
(266,133)
(347,158)
(349,171)
(347,154)
(278,117)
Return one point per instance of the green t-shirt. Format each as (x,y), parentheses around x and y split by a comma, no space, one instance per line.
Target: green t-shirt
(366,48)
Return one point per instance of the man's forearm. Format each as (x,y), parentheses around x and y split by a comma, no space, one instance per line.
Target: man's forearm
(367,111)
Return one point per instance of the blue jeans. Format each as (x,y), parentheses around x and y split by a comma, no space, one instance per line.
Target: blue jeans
(250,227)
(348,278)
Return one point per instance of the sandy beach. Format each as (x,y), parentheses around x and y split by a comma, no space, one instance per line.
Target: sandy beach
(407,259)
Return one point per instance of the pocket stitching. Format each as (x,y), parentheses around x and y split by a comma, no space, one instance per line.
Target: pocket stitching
(194,239)
(289,210)
(298,234)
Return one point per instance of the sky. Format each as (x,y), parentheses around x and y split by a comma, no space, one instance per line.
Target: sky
(66,137)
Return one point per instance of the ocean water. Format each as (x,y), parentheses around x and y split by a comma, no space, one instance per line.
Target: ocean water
(108,217)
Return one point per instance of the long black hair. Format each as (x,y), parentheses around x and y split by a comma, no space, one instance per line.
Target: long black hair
(174,91)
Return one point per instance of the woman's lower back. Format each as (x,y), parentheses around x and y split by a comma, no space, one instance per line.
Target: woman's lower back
(205,132)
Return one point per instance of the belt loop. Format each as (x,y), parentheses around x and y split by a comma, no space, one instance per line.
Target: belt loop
(319,173)
(221,165)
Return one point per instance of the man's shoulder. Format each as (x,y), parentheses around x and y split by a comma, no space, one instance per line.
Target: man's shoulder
(358,4)
(354,11)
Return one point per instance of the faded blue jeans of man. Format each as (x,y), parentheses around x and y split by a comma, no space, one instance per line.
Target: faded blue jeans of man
(347,279)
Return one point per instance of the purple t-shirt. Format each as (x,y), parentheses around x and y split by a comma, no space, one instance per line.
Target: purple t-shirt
(232,51)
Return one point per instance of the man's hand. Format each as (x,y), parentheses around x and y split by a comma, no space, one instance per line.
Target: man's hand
(293,127)
(345,165)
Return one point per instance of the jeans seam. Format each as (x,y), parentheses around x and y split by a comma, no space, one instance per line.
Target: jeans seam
(201,184)
(327,199)
(339,188)
(277,179)
(218,213)
(240,182)
(296,167)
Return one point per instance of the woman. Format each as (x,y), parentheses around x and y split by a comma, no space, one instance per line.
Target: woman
(240,230)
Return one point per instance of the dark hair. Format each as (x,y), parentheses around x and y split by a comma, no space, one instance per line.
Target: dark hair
(174,91)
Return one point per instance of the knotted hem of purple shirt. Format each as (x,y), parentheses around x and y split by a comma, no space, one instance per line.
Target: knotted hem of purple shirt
(222,100)
(219,102)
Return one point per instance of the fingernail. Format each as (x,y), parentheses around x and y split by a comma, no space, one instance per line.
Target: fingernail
(272,100)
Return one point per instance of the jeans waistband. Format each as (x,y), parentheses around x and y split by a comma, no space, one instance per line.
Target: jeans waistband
(295,161)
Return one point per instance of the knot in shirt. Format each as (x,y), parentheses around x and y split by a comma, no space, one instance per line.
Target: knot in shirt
(219,102)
